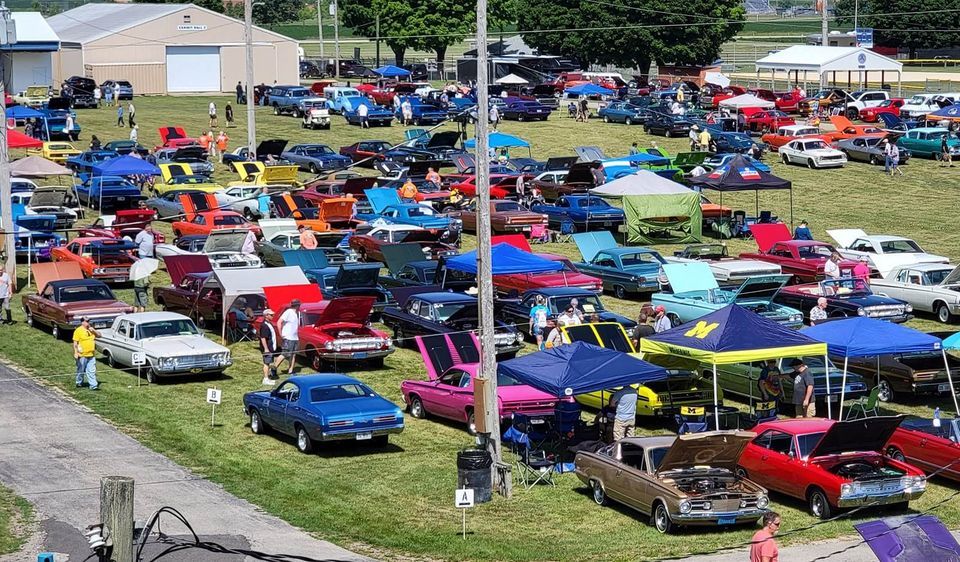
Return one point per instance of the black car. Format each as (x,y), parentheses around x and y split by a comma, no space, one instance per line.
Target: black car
(350,69)
(846,297)
(353,280)
(309,69)
(79,91)
(418,72)
(667,125)
(525,110)
(516,312)
(124,147)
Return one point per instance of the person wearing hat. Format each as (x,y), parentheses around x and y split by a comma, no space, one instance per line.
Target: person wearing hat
(803,401)
(861,272)
(84,352)
(662,323)
(802,232)
(694,138)
(268,347)
(290,334)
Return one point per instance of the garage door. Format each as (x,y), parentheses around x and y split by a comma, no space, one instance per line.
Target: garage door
(193,69)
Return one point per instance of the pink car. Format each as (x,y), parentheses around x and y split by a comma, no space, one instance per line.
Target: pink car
(452,361)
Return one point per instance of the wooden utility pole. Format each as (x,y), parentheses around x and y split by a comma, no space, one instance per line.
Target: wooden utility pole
(824,37)
(336,39)
(248,40)
(116,513)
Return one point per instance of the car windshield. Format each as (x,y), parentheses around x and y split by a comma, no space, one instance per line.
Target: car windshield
(316,149)
(420,211)
(184,180)
(588,304)
(638,259)
(85,293)
(938,276)
(444,311)
(872,141)
(401,235)
(900,247)
(656,456)
(507,380)
(917,100)
(338,392)
(592,202)
(378,147)
(843,287)
(123,83)
(165,328)
(815,145)
(806,443)
(507,206)
(815,251)
(229,220)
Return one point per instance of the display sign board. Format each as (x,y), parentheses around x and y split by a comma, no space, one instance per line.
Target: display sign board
(865,37)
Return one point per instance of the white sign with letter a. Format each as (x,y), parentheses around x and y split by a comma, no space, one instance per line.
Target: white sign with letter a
(464,498)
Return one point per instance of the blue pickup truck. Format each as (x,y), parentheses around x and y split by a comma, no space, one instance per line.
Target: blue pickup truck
(286,99)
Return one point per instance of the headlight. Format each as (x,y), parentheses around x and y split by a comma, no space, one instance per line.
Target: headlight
(519,337)
(796,318)
(168,361)
(328,345)
(763,502)
(387,342)
(909,308)
(861,312)
(685,506)
(846,489)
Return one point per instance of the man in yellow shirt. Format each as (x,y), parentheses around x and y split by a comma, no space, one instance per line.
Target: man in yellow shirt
(705,140)
(85,353)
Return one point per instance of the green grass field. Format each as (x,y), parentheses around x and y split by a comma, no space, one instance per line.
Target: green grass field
(16,516)
(398,502)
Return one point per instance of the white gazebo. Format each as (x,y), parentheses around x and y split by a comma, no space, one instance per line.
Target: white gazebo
(826,62)
(511,80)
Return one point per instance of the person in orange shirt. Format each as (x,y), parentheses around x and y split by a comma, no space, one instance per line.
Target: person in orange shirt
(307,240)
(433,177)
(408,192)
(222,143)
(205,141)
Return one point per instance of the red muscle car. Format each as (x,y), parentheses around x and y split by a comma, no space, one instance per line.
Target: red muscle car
(831,465)
(766,119)
(203,215)
(804,259)
(501,185)
(175,137)
(124,222)
(106,259)
(339,330)
(891,106)
(788,102)
(928,445)
(569,276)
(787,133)
(724,94)
(65,297)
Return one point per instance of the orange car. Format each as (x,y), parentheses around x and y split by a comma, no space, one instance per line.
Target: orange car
(845,129)
(106,259)
(788,133)
(295,207)
(203,215)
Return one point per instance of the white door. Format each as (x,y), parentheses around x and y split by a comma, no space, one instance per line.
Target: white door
(193,69)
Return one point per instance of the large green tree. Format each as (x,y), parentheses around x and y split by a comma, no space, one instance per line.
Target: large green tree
(276,11)
(911,24)
(361,17)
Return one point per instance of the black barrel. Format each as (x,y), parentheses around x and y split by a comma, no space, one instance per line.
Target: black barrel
(473,471)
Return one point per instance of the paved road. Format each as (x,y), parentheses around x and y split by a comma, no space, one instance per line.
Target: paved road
(54,453)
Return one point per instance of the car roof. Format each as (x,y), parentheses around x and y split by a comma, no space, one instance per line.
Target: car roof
(59,283)
(442,297)
(797,426)
(622,251)
(153,316)
(926,267)
(653,441)
(323,379)
(930,130)
(801,243)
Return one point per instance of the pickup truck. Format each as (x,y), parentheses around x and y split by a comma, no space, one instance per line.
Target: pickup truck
(860,100)
(286,100)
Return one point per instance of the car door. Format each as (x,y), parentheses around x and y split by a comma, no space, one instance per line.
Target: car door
(124,337)
(439,397)
(275,410)
(629,478)
(295,410)
(778,469)
(43,309)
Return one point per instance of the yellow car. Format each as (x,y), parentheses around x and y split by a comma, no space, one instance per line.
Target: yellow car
(180,176)
(55,151)
(33,96)
(655,398)
(258,173)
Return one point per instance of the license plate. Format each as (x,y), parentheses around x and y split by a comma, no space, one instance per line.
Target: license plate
(943,388)
(120,280)
(527,229)
(364,436)
(121,198)
(360,355)
(726,521)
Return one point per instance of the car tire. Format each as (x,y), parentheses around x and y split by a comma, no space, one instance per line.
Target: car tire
(628,121)
(416,407)
(896,454)
(399,337)
(667,133)
(296,113)
(248,214)
(674,320)
(111,362)
(619,291)
(885,391)
(784,158)
(304,444)
(852,114)
(943,313)
(818,504)
(152,376)
(598,493)
(873,160)
(811,164)
(316,361)
(29,317)
(313,169)
(256,422)
(606,119)
(276,110)
(303,125)
(55,331)
(661,518)
(471,422)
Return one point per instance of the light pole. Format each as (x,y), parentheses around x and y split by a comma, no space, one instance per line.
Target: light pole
(248,40)
(320,30)
(824,38)
(335,12)
(6,215)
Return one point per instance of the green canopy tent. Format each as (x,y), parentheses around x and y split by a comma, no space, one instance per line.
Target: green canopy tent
(658,210)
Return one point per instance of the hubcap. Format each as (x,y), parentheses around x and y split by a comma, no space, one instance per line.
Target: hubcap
(943,314)
(817,507)
(597,493)
(661,519)
(416,408)
(255,422)
(302,439)
(885,392)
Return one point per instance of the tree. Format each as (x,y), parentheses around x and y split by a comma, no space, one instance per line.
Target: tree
(686,39)
(912,24)
(275,11)
(361,17)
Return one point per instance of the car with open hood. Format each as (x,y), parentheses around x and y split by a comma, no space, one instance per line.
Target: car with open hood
(55,113)
(505,217)
(195,157)
(321,408)
(315,158)
(689,480)
(502,186)
(369,240)
(586,212)
(845,129)
(452,361)
(513,284)
(407,267)
(832,465)
(266,148)
(168,206)
(223,247)
(33,96)
(869,149)
(54,200)
(106,259)
(352,280)
(846,297)
(55,151)
(123,223)
(175,137)
(822,101)
(387,206)
(180,176)
(441,145)
(804,259)
(171,343)
(202,215)
(579,179)
(64,297)
(929,287)
(193,293)
(624,271)
(79,90)
(366,153)
(743,380)
(883,251)
(694,292)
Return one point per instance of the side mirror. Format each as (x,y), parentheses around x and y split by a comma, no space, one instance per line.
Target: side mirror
(791,454)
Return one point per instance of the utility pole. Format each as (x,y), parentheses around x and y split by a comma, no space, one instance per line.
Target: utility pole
(490,414)
(6,215)
(335,12)
(378,40)
(856,17)
(824,38)
(248,40)
(116,513)
(320,31)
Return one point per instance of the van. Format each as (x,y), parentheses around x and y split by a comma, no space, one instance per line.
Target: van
(336,94)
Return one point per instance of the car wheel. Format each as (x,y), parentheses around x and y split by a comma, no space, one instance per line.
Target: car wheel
(471,423)
(674,320)
(819,505)
(873,160)
(316,361)
(628,121)
(296,113)
(399,337)
(619,291)
(29,316)
(248,214)
(303,125)
(896,454)
(599,495)
(55,331)
(416,407)
(661,518)
(811,164)
(606,119)
(852,114)
(304,445)
(943,313)
(111,361)
(152,376)
(276,110)
(667,133)
(784,158)
(256,422)
(313,169)
(885,391)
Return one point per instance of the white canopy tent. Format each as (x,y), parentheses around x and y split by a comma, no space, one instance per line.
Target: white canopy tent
(234,283)
(511,79)
(824,62)
(717,78)
(746,100)
(644,182)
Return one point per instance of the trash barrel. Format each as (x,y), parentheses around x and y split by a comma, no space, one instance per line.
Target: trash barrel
(473,471)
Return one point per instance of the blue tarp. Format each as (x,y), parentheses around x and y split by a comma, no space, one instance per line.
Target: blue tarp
(949,112)
(391,71)
(868,337)
(589,90)
(500,140)
(22,112)
(126,165)
(579,368)
(506,259)
(305,259)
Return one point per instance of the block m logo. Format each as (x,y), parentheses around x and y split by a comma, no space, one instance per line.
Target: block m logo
(701,330)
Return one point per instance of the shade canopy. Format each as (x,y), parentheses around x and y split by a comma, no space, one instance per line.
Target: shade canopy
(717,78)
(23,112)
(234,283)
(580,368)
(746,100)
(391,71)
(869,337)
(589,89)
(738,174)
(37,167)
(511,79)
(817,58)
(644,182)
(949,112)
(500,140)
(126,165)
(505,259)
(16,139)
(732,334)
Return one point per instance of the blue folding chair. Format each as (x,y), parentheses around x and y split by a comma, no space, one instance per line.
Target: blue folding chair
(691,419)
(531,466)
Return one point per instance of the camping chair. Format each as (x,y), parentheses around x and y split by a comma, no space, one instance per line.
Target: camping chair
(864,404)
(566,232)
(739,226)
(532,466)
(237,333)
(761,412)
(766,217)
(691,420)
(539,234)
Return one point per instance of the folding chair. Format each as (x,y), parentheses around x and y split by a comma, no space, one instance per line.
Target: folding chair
(691,419)
(566,232)
(539,234)
(236,333)
(766,217)
(864,404)
(532,466)
(740,229)
(761,412)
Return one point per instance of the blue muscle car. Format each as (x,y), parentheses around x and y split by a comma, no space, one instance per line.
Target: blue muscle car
(695,293)
(323,407)
(718,160)
(113,192)
(623,112)
(387,206)
(423,113)
(376,114)
(584,211)
(34,234)
(55,114)
(525,111)
(622,270)
(84,162)
(667,125)
(315,158)
(729,141)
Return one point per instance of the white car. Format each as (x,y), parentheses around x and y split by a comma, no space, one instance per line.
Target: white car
(221,246)
(864,99)
(814,153)
(552,176)
(171,343)
(242,199)
(884,252)
(922,104)
(930,287)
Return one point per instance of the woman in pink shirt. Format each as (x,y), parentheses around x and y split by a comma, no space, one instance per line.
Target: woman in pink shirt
(861,272)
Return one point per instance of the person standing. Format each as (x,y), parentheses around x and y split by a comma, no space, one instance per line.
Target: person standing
(819,312)
(222,142)
(108,94)
(84,352)
(141,292)
(263,203)
(362,112)
(6,292)
(554,337)
(408,191)
(228,111)
(406,110)
(885,144)
(98,96)
(802,232)
(763,547)
(249,244)
(625,418)
(643,329)
(120,116)
(239,93)
(145,242)
(694,139)
(538,319)
(434,178)
(268,347)
(308,241)
(704,140)
(861,271)
(634,149)
(131,111)
(290,334)
(945,157)
(803,401)
(135,137)
(894,159)
(831,268)
(204,141)
(494,116)
(68,125)
(212,111)
(662,323)
(770,383)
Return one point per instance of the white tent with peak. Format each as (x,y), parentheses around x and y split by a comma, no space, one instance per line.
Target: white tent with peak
(746,100)
(826,62)
(511,79)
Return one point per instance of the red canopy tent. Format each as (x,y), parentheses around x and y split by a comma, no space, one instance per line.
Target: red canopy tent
(16,139)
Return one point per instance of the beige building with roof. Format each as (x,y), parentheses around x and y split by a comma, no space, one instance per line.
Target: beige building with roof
(167,48)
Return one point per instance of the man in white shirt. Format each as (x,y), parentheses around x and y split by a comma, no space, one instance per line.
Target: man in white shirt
(249,244)
(145,242)
(212,110)
(568,317)
(289,333)
(831,268)
(362,112)
(6,290)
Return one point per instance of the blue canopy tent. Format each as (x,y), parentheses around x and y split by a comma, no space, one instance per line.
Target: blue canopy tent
(505,259)
(949,112)
(734,334)
(580,368)
(125,165)
(589,90)
(391,71)
(869,337)
(19,112)
(501,140)
(953,342)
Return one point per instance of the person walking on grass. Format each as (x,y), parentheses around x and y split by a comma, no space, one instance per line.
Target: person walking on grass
(894,159)
(222,143)
(108,94)
(134,136)
(763,547)
(84,352)
(268,347)
(362,112)
(228,111)
(141,294)
(946,159)
(212,111)
(538,320)
(98,96)
(120,116)
(6,291)
(131,111)
(239,93)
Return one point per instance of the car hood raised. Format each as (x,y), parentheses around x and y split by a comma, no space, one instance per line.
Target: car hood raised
(863,434)
(443,139)
(761,288)
(355,310)
(49,197)
(717,449)
(690,277)
(767,235)
(271,146)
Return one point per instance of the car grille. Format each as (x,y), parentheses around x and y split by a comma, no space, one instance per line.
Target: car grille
(196,361)
(888,485)
(358,344)
(115,271)
(227,264)
(884,310)
(504,340)
(724,506)
(683,396)
(833,157)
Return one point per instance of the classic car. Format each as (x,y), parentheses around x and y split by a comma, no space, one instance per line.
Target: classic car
(33,96)
(891,106)
(284,205)
(862,99)
(122,90)
(622,112)
(717,160)
(743,380)
(695,293)
(368,241)
(195,296)
(517,283)
(314,158)
(764,120)
(432,313)
(804,259)
(845,297)
(353,280)
(84,162)
(175,137)
(200,219)
(378,115)
(579,179)
(321,408)
(783,135)
(677,481)
(925,142)
(367,153)
(108,192)
(930,287)
(666,125)
(907,374)
(452,361)
(55,114)
(920,105)
(171,343)
(266,150)
(788,101)
(179,176)
(79,90)
(66,297)
(193,156)
(623,270)
(516,312)
(223,247)
(36,245)
(525,110)
(845,129)
(315,114)
(726,270)
(56,201)
(384,95)
(123,223)
(406,267)
(502,186)
(124,147)
(423,113)
(812,152)
(712,98)
(276,243)
(168,205)
(286,99)
(883,251)
(832,465)
(309,69)
(504,216)
(386,205)
(106,259)
(722,142)
(822,101)
(441,145)
(55,151)
(584,211)
(868,149)
(932,445)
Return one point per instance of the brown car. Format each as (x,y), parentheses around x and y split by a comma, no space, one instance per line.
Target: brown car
(686,480)
(368,241)
(505,217)
(579,179)
(66,297)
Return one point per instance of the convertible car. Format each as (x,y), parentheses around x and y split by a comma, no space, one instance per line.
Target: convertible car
(623,270)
